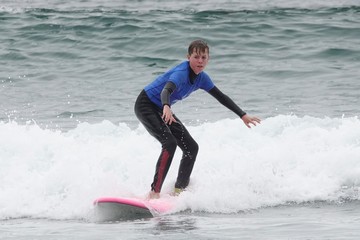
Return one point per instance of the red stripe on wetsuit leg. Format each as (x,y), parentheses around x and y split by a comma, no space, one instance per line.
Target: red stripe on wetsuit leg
(162,168)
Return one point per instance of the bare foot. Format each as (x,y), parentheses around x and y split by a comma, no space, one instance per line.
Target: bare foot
(177,192)
(153,195)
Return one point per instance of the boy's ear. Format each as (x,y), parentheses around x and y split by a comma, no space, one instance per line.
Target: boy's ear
(188,56)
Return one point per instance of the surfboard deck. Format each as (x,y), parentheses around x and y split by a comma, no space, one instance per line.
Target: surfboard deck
(118,208)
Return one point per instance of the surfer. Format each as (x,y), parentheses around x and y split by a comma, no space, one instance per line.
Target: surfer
(153,109)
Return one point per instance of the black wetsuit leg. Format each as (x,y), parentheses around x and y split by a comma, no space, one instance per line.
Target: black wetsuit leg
(169,136)
(190,150)
(150,116)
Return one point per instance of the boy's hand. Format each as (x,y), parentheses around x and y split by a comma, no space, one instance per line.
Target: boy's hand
(167,115)
(249,119)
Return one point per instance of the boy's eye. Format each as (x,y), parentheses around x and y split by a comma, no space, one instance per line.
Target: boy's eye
(202,57)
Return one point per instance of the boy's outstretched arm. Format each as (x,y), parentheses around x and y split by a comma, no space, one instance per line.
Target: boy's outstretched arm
(230,104)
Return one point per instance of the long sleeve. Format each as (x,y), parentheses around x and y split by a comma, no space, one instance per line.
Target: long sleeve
(226,101)
(166,93)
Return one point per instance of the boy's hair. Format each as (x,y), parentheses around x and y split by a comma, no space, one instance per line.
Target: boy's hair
(199,46)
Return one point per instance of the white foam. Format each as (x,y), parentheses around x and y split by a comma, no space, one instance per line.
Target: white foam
(53,174)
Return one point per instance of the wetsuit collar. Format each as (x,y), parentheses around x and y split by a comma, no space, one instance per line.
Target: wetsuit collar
(192,75)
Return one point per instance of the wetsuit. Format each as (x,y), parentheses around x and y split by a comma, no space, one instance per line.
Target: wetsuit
(176,84)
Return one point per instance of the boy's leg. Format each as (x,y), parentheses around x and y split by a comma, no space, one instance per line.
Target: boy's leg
(150,117)
(190,149)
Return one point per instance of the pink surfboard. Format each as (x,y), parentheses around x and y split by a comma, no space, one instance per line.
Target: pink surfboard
(117,208)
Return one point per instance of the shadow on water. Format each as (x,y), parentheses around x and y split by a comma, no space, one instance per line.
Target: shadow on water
(173,223)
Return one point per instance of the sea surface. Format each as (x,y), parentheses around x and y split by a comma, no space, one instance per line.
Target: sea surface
(69,76)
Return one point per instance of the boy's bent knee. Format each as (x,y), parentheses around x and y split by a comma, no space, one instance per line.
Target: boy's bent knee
(195,148)
(192,149)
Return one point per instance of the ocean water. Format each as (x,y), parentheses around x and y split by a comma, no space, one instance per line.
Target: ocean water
(69,77)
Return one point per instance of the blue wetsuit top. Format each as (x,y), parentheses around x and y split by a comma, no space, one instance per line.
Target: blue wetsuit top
(180,77)
(177,83)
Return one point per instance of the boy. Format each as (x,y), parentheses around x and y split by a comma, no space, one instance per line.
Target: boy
(153,109)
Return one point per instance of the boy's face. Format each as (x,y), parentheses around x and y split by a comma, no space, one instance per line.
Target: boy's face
(198,60)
